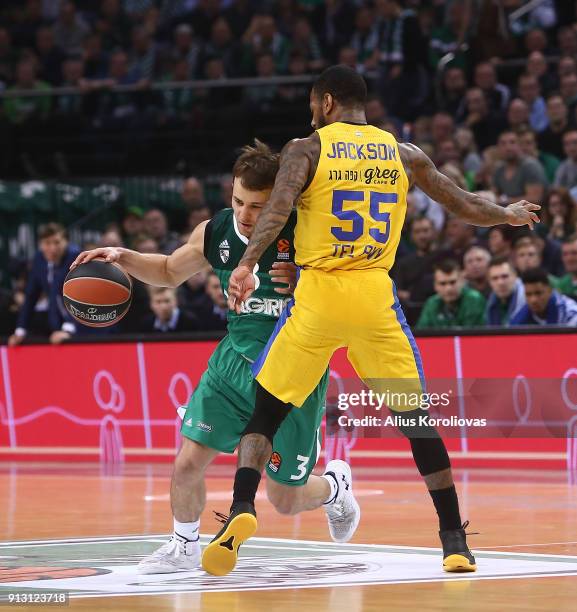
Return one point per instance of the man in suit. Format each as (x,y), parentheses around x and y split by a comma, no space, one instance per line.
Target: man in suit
(166,316)
(49,269)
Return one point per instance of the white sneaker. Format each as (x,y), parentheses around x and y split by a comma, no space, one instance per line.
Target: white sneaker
(177,555)
(344,513)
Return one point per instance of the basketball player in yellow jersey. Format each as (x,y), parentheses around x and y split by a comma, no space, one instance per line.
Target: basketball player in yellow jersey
(350,182)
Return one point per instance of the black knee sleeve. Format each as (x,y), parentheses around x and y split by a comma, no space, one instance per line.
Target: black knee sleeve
(429,451)
(269,413)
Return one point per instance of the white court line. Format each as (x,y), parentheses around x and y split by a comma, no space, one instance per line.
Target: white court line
(237,588)
(331,546)
(523,545)
(144,394)
(8,393)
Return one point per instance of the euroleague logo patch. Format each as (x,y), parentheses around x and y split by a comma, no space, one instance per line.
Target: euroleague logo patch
(283,247)
(275,461)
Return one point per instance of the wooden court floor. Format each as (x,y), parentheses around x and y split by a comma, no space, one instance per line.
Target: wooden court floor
(518,514)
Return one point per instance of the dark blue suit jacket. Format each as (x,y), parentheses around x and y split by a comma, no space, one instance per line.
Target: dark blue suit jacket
(39,283)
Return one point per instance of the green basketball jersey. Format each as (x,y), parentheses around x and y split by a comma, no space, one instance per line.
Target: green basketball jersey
(224,246)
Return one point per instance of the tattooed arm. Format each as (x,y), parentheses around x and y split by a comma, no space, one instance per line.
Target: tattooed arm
(467,206)
(297,159)
(298,163)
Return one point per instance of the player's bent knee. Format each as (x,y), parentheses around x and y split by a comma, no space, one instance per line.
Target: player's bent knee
(192,458)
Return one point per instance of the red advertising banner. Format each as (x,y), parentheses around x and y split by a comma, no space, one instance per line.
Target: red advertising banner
(116,402)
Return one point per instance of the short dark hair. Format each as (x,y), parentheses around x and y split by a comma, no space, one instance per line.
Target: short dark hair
(500,260)
(344,84)
(535,275)
(570,239)
(50,229)
(447,266)
(256,166)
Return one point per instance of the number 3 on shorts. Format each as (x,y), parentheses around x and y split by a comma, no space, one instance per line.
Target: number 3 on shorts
(301,467)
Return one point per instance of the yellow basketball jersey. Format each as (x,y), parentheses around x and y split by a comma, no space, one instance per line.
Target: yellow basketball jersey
(351,215)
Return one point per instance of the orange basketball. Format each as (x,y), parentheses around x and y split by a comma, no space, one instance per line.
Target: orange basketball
(97,293)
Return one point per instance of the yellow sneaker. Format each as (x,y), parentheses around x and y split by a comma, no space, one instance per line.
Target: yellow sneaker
(456,554)
(220,555)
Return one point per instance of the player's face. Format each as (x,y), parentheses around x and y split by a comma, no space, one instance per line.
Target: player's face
(569,256)
(537,296)
(448,286)
(163,305)
(319,106)
(53,247)
(502,280)
(247,206)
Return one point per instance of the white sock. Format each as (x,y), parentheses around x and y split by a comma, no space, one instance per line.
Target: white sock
(188,531)
(333,484)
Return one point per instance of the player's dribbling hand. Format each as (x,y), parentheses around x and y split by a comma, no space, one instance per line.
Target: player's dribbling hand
(284,272)
(109,254)
(521,213)
(240,286)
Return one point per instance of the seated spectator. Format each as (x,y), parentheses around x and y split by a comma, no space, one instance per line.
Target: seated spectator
(49,55)
(458,237)
(518,115)
(25,109)
(263,38)
(558,216)
(485,125)
(143,243)
(567,284)
(186,48)
(442,128)
(49,268)
(166,316)
(375,110)
(454,90)
(530,92)
(192,193)
(544,306)
(224,46)
(528,144)
(455,304)
(156,225)
(566,175)
(192,295)
(198,215)
(132,225)
(530,252)
(470,159)
(500,240)
(475,268)
(568,91)
(413,274)
(551,139)
(95,60)
(261,97)
(517,177)
(304,42)
(111,238)
(497,94)
(507,295)
(143,55)
(538,69)
(70,29)
(213,311)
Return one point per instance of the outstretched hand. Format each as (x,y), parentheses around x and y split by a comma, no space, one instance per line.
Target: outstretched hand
(109,254)
(240,286)
(521,213)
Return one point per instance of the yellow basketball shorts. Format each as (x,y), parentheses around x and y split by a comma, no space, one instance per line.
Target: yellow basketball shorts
(357,309)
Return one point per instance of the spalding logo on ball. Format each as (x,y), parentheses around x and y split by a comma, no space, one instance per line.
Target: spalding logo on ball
(97,293)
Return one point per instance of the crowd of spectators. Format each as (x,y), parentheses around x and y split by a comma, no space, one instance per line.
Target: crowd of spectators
(501,120)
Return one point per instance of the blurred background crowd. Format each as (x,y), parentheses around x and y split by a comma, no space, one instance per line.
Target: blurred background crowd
(94,88)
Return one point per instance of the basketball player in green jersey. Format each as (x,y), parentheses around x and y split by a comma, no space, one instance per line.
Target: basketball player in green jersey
(223,402)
